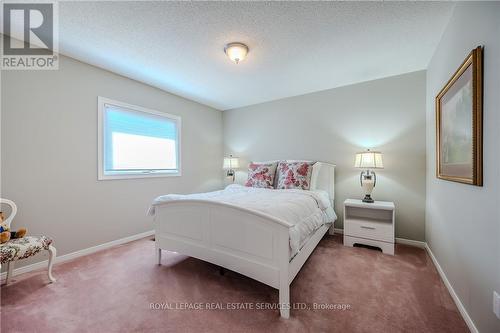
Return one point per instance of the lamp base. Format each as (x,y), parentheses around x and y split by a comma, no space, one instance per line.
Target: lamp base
(231,173)
(368,199)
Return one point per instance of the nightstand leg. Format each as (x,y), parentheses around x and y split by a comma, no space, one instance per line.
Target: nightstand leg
(387,248)
(348,241)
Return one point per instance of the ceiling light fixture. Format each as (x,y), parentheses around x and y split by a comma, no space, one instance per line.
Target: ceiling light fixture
(236,51)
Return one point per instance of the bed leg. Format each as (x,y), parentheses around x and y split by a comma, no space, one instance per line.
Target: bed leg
(331,230)
(285,300)
(284,273)
(158,256)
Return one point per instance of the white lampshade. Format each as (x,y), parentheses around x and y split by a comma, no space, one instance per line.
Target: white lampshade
(369,160)
(231,162)
(236,51)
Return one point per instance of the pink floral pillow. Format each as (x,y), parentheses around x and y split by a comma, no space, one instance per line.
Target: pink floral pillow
(261,175)
(294,175)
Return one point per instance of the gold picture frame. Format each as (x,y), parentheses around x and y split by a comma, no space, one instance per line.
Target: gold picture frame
(459,123)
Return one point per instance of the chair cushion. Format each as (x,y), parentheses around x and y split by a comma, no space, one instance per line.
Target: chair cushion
(22,248)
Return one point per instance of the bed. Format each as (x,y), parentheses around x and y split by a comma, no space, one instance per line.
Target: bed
(264,234)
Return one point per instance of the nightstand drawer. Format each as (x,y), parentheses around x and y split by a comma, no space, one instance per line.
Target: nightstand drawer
(369,229)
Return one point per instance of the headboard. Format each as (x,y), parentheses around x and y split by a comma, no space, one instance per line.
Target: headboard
(323,178)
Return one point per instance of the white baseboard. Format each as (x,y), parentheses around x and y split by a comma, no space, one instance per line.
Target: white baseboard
(404,241)
(76,254)
(410,242)
(458,303)
(338,231)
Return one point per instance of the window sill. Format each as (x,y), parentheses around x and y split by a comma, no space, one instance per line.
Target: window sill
(138,175)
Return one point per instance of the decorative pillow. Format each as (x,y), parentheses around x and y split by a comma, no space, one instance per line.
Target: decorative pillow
(261,175)
(294,175)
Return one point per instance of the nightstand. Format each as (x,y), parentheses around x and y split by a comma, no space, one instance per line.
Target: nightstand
(369,224)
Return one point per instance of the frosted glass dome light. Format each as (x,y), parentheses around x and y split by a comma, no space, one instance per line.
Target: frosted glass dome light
(236,52)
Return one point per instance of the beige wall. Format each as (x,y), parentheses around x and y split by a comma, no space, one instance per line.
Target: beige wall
(332,125)
(49,154)
(463,221)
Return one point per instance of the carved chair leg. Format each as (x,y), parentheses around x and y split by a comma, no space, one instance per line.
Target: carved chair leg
(10,271)
(52,256)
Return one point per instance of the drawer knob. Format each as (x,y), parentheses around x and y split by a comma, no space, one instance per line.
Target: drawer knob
(366,227)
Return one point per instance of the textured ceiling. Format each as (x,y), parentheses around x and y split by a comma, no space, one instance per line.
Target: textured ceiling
(295,47)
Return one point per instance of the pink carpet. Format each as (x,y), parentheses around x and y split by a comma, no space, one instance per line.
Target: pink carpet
(112,291)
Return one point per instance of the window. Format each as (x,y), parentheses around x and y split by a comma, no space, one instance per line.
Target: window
(135,142)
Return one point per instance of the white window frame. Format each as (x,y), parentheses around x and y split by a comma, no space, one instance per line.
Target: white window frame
(101,174)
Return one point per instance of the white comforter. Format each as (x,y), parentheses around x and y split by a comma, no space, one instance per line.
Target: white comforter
(304,211)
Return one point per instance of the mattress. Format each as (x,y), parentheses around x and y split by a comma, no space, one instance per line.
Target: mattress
(304,211)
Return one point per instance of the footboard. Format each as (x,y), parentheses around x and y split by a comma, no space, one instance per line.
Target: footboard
(244,241)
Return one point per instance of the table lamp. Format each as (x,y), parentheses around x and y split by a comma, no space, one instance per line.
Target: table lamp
(368,160)
(231,163)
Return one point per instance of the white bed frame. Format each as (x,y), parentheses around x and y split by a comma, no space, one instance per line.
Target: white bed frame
(242,240)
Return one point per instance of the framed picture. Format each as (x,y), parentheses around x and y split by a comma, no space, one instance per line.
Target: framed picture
(459,123)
